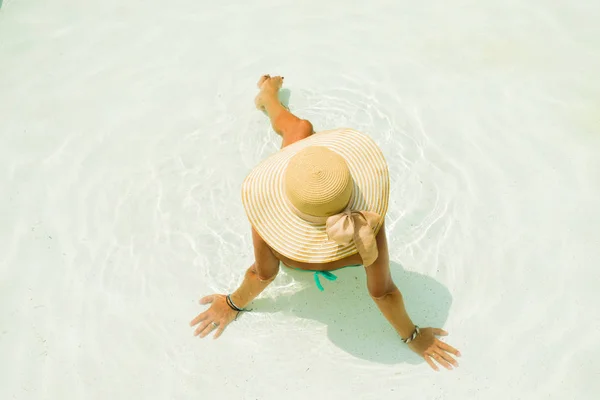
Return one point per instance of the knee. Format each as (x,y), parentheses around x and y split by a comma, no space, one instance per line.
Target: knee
(305,126)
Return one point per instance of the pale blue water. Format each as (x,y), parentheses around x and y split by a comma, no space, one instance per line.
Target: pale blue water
(126,129)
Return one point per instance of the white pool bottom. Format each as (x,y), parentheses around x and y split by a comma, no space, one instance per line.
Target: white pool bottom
(126,130)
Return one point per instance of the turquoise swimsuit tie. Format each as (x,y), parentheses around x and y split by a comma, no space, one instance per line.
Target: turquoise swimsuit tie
(325,274)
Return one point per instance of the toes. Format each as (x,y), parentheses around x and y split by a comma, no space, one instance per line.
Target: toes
(278,80)
(262,80)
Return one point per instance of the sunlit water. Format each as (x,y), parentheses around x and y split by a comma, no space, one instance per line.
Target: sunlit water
(127,128)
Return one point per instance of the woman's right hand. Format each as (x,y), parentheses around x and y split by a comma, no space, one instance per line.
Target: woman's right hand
(431,348)
(218,316)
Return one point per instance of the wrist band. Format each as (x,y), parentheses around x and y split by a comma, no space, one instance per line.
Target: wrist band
(413,336)
(232,305)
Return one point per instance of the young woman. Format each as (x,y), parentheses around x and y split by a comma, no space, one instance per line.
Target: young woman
(319,205)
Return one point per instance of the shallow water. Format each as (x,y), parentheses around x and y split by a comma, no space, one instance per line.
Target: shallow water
(127,128)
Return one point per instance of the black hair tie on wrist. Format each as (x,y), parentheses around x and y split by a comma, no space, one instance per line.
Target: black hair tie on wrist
(232,305)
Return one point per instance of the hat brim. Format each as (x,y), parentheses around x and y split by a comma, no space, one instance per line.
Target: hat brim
(264,198)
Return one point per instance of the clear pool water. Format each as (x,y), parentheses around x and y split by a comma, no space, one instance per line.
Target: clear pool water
(126,129)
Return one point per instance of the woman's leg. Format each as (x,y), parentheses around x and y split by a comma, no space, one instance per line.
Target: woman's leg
(286,124)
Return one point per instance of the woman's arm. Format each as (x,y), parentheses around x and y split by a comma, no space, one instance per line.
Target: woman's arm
(257,278)
(259,275)
(388,298)
(384,292)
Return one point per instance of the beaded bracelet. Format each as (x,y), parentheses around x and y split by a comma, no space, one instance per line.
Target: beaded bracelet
(413,336)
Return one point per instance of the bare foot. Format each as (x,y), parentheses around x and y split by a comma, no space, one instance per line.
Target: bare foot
(269,86)
(262,80)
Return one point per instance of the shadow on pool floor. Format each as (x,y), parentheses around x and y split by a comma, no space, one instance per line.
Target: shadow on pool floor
(354,323)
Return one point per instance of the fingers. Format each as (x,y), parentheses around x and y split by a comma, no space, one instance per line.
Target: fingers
(208,328)
(207,299)
(437,357)
(447,357)
(219,330)
(448,348)
(430,362)
(204,328)
(439,332)
(440,353)
(200,329)
(199,318)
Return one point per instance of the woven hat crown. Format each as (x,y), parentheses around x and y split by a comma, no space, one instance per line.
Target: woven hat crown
(318,182)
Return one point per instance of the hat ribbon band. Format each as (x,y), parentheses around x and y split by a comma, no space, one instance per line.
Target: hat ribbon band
(347,227)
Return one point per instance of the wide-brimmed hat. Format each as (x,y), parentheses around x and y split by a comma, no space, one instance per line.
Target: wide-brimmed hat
(320,199)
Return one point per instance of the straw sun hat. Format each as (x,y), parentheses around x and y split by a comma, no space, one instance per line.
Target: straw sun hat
(320,199)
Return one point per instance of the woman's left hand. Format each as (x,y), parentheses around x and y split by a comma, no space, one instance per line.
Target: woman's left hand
(431,348)
(218,316)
